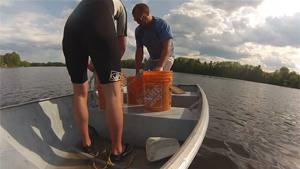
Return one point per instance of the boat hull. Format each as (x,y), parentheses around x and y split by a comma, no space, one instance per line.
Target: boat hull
(41,134)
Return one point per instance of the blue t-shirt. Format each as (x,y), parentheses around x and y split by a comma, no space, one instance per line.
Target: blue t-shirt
(154,37)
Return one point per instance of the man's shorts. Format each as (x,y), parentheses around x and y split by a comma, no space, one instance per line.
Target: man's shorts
(90,31)
(151,64)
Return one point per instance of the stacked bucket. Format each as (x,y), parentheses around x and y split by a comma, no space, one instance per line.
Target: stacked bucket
(152,89)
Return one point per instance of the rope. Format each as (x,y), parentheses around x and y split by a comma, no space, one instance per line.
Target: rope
(101,156)
(105,156)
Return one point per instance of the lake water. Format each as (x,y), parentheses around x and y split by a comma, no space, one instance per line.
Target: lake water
(252,125)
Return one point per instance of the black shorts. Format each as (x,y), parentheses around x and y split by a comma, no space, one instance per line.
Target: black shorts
(90,31)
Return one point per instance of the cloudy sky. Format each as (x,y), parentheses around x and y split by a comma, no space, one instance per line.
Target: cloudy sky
(256,32)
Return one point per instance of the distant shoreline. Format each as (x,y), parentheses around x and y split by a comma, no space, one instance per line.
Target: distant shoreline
(214,76)
(227,69)
(233,70)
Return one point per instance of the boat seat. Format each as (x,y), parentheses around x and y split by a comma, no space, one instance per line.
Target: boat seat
(173,113)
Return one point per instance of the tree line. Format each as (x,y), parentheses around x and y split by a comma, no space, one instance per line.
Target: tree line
(281,77)
(14,60)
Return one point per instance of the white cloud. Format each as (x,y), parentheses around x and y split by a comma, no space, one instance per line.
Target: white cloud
(279,8)
(232,5)
(246,31)
(137,1)
(5,3)
(271,57)
(240,33)
(37,37)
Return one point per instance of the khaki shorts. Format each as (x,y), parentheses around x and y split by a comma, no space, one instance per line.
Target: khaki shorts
(151,64)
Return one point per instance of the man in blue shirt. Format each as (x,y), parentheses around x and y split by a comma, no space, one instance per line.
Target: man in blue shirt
(156,35)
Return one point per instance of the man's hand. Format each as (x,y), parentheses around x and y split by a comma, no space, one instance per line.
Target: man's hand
(139,55)
(139,73)
(160,68)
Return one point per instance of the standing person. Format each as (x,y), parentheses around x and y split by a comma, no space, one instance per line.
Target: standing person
(156,35)
(91,31)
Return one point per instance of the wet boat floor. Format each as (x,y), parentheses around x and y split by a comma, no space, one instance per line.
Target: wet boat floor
(135,160)
(71,160)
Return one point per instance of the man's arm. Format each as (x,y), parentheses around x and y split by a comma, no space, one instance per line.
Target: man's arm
(139,55)
(166,52)
(121,23)
(122,44)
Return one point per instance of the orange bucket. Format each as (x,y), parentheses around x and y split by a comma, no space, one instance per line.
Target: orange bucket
(101,97)
(157,93)
(135,90)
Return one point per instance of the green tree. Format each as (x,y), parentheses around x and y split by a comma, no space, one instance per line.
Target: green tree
(10,60)
(284,75)
(129,63)
(1,61)
(294,80)
(235,70)
(25,64)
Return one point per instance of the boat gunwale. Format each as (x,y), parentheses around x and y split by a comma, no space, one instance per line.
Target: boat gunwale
(187,152)
(38,100)
(33,101)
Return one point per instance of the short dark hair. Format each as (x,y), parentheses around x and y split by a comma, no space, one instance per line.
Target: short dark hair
(141,7)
